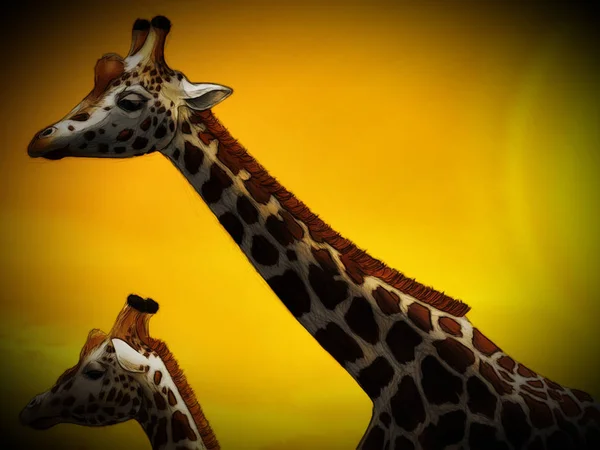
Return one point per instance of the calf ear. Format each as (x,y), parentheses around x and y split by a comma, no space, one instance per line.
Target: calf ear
(203,96)
(128,358)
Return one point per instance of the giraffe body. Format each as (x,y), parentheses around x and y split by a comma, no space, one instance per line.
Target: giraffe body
(434,379)
(126,375)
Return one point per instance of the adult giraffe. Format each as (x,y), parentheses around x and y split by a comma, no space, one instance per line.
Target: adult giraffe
(434,379)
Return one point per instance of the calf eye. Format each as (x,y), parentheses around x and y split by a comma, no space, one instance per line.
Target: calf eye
(131,102)
(94,374)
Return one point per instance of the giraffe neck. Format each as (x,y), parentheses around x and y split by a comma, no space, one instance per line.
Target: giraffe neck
(164,415)
(348,301)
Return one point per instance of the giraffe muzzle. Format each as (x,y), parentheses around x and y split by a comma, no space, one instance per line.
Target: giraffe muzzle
(44,145)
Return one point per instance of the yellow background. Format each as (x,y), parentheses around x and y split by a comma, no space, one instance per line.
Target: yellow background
(457,144)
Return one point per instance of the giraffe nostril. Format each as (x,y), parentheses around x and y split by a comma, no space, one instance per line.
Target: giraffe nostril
(47,132)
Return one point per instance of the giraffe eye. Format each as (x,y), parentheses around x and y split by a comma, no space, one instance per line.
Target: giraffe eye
(94,374)
(131,102)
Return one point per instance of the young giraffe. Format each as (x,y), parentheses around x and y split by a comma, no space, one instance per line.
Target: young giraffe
(434,379)
(125,375)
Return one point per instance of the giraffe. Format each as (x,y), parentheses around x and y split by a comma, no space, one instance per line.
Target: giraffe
(123,375)
(435,381)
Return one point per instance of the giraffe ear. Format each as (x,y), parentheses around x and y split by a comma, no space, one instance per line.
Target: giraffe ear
(128,358)
(203,96)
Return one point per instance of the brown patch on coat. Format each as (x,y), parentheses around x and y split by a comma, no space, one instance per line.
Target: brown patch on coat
(483,344)
(450,326)
(325,260)
(420,316)
(488,372)
(388,302)
(532,391)
(180,426)
(569,406)
(261,186)
(539,413)
(455,354)
(525,372)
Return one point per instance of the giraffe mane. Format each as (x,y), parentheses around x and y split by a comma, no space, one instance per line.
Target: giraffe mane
(187,393)
(357,261)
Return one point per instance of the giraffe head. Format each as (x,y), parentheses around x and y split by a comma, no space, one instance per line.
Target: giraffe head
(133,108)
(106,384)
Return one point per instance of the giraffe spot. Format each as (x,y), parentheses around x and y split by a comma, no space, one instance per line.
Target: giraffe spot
(403,443)
(71,128)
(449,429)
(455,354)
(258,192)
(480,399)
(292,225)
(171,398)
(93,408)
(592,436)
(176,154)
(361,320)
(103,148)
(213,188)
(539,413)
(525,372)
(180,426)
(119,396)
(89,135)
(325,260)
(375,377)
(125,401)
(69,401)
(568,428)
(81,117)
(139,143)
(206,138)
(101,131)
(291,255)
(111,395)
(450,326)
(185,128)
(488,372)
(420,316)
(374,440)
(535,383)
(146,124)
(291,290)
(407,405)
(352,268)
(536,444)
(119,150)
(229,160)
(483,344)
(388,302)
(154,119)
(483,437)
(552,385)
(247,210)
(159,401)
(124,135)
(331,292)
(160,131)
(439,385)
(278,230)
(579,395)
(385,419)
(192,157)
(338,343)
(559,440)
(109,410)
(157,377)
(532,391)
(402,341)
(555,395)
(160,438)
(263,251)
(568,406)
(515,423)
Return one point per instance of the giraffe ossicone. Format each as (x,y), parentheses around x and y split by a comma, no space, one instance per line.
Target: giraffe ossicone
(434,379)
(126,375)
